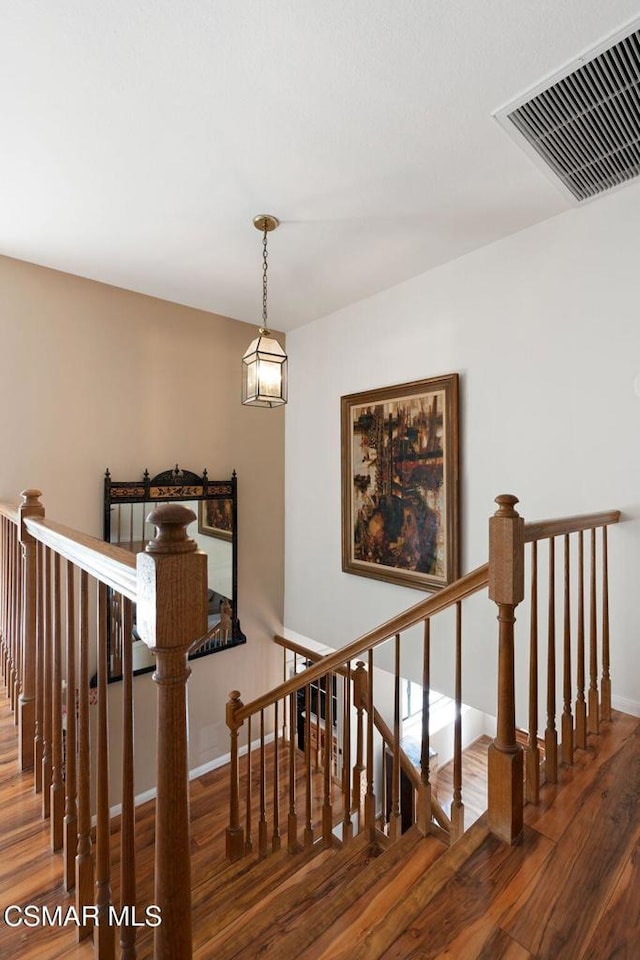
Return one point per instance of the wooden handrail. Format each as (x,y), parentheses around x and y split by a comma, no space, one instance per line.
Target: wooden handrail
(542,529)
(464,587)
(11,512)
(109,564)
(303,651)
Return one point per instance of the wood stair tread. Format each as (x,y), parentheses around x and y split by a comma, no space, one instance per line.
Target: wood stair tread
(387,886)
(319,874)
(398,912)
(248,879)
(291,921)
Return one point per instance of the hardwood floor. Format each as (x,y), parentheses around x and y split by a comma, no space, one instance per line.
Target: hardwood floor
(30,874)
(474,781)
(569,891)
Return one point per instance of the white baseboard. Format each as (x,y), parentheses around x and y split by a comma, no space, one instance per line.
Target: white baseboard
(141,798)
(626,706)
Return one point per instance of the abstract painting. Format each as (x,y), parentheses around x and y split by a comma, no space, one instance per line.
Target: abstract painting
(400,483)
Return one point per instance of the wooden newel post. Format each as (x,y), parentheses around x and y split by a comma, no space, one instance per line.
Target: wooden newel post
(171,616)
(30,507)
(235,833)
(506,589)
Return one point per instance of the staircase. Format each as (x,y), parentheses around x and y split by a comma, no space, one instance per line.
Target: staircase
(318,866)
(317,910)
(477,899)
(551,897)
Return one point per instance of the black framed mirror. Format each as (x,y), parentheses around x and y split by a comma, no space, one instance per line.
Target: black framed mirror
(127,503)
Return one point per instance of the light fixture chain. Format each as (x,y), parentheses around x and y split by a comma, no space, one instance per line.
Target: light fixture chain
(264,277)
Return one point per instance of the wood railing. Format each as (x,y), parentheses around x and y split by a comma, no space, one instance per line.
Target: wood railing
(511,580)
(303,656)
(336,774)
(307,753)
(53,636)
(335,807)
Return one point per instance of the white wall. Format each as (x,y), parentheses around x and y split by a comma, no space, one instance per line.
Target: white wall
(544,330)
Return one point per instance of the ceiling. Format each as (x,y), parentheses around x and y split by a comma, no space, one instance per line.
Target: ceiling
(140,137)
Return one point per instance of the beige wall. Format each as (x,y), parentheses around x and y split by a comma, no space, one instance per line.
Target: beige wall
(93,376)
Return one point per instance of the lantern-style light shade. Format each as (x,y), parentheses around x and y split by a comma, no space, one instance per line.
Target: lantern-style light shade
(264,372)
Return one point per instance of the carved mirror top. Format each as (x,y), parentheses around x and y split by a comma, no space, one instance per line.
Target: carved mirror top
(175,484)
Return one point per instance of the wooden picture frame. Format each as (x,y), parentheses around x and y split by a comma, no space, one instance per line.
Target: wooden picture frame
(215,518)
(400,483)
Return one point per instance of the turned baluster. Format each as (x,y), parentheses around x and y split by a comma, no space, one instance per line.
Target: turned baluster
(292,820)
(593,719)
(30,507)
(262,822)
(284,677)
(550,734)
(3,626)
(17,618)
(248,836)
(318,731)
(532,755)
(327,807)
(70,824)
(172,614)
(8,611)
(40,678)
(395,821)
(57,784)
(347,826)
(423,802)
(47,693)
(506,589)
(275,836)
(13,619)
(18,629)
(6,602)
(370,797)
(6,599)
(566,751)
(105,933)
(605,688)
(11,669)
(581,706)
(284,709)
(4,570)
(457,806)
(308,827)
(84,858)
(128,818)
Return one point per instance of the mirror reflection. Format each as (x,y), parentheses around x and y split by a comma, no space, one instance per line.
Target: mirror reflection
(126,508)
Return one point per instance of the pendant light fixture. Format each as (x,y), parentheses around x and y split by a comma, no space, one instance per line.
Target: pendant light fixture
(264,365)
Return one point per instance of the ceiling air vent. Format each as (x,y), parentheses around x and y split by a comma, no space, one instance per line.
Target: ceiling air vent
(586,125)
